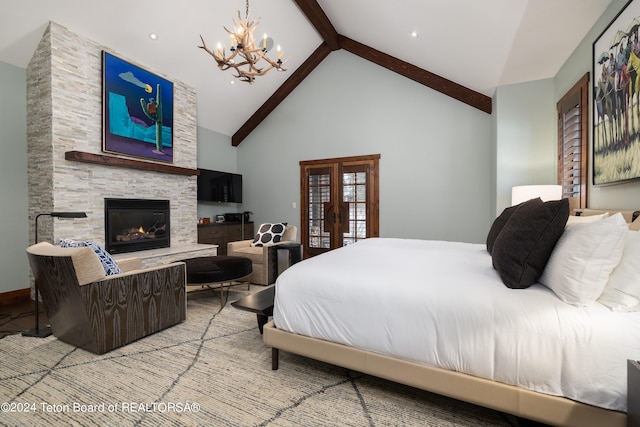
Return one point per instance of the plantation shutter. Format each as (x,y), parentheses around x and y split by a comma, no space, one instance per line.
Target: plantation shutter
(573,143)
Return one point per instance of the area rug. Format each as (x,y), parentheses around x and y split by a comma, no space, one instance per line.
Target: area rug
(211,370)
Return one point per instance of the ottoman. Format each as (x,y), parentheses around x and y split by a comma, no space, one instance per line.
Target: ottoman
(217,271)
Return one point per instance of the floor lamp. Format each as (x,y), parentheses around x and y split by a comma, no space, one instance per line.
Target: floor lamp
(46,331)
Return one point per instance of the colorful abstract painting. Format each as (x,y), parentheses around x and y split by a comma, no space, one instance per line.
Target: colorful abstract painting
(137,111)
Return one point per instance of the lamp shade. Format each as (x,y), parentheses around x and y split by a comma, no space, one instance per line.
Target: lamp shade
(523,193)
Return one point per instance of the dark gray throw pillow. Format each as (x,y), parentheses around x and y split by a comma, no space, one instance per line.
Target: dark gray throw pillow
(523,247)
(499,223)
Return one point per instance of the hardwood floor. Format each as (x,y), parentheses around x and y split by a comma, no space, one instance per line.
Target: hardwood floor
(19,317)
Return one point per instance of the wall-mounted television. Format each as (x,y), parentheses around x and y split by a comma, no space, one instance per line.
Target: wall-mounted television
(216,186)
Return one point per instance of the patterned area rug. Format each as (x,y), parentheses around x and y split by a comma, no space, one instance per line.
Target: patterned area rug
(211,370)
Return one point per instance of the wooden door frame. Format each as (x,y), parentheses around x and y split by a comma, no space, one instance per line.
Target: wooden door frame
(373,189)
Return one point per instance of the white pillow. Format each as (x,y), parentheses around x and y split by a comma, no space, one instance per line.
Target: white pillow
(583,259)
(586,218)
(622,293)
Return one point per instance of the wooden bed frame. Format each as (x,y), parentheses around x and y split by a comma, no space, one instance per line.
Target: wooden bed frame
(491,394)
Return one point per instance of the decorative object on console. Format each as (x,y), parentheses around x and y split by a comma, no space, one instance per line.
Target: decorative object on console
(46,331)
(269,234)
(523,247)
(613,160)
(137,111)
(522,193)
(243,44)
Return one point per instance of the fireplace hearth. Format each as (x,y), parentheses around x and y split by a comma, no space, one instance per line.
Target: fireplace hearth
(136,224)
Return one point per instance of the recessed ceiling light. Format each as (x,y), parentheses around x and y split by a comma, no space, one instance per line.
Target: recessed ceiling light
(153,36)
(414,34)
(232,82)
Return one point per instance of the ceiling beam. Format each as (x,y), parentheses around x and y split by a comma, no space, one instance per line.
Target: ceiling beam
(320,21)
(283,91)
(427,78)
(334,41)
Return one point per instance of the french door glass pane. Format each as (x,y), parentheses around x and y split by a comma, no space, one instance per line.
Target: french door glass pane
(354,190)
(319,194)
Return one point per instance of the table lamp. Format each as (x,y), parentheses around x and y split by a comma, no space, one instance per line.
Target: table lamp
(523,193)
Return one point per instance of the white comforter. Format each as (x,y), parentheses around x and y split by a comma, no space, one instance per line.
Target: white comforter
(443,304)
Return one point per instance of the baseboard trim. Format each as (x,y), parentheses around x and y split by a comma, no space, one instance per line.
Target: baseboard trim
(15,297)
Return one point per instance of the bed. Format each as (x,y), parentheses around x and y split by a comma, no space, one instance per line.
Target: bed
(437,315)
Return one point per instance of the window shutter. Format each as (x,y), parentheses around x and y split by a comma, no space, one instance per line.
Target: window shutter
(573,143)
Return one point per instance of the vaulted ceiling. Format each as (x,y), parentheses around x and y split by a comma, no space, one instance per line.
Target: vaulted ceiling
(465,47)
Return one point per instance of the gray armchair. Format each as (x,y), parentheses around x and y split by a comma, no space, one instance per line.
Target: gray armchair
(98,313)
(263,268)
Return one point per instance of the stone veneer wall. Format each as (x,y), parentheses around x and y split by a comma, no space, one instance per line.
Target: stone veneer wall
(64,113)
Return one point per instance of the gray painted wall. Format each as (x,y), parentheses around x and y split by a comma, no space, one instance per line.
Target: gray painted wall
(215,152)
(525,138)
(14,226)
(616,196)
(435,166)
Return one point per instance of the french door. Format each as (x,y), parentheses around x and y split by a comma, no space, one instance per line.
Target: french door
(339,202)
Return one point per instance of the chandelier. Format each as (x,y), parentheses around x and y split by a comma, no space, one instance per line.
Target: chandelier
(245,56)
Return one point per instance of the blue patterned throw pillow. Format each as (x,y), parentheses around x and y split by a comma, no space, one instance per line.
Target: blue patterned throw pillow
(109,264)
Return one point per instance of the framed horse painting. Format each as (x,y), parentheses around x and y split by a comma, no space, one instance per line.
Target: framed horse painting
(137,111)
(616,99)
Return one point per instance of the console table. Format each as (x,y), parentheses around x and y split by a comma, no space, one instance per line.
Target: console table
(222,233)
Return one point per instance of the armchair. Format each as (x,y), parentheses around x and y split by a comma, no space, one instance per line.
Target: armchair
(99,313)
(263,267)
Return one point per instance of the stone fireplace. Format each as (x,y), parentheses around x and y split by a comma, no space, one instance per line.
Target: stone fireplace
(64,106)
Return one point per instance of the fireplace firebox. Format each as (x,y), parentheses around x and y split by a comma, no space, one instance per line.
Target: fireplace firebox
(136,224)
